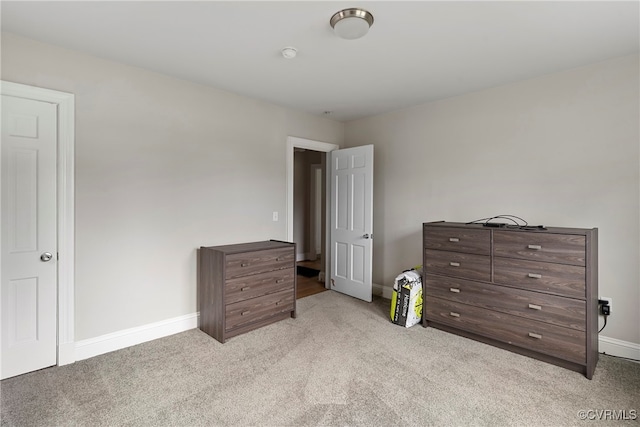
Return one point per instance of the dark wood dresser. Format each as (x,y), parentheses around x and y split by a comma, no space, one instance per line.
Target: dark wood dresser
(534,292)
(245,286)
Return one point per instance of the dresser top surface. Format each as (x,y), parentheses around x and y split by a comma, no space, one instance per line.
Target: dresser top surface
(250,247)
(479,226)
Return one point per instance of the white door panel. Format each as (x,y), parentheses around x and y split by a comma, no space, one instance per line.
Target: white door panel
(29,287)
(352,221)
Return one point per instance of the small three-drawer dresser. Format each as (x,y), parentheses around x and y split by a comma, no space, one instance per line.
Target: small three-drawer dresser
(245,286)
(532,291)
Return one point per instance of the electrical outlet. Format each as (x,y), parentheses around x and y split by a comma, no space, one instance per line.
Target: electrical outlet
(610,303)
(275,215)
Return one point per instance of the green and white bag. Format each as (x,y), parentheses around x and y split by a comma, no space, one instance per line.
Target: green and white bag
(406,301)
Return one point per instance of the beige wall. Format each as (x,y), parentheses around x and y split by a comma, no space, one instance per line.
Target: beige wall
(560,150)
(163,166)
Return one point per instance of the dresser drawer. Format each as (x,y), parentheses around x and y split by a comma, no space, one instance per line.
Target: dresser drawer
(244,264)
(556,341)
(260,308)
(566,280)
(247,287)
(458,240)
(551,309)
(468,266)
(537,246)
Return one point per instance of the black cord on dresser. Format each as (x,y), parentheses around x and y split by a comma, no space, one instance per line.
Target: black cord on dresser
(518,223)
(504,216)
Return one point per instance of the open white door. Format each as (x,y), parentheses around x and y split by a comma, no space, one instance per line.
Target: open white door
(352,221)
(29,236)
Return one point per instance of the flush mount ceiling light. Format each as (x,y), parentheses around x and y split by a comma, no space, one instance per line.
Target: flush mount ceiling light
(351,23)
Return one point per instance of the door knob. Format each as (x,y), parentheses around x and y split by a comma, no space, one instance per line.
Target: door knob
(46,257)
(367,236)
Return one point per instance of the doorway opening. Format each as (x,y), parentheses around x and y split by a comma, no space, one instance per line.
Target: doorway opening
(307,211)
(308,226)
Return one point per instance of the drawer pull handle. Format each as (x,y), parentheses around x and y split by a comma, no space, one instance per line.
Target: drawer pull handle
(534,276)
(536,336)
(244,313)
(245,288)
(454,314)
(279,280)
(534,247)
(454,239)
(454,264)
(244,264)
(455,290)
(279,302)
(278,259)
(535,307)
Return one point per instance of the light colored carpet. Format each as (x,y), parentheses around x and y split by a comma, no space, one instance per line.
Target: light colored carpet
(341,362)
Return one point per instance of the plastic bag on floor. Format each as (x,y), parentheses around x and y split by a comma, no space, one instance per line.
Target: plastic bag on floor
(406,301)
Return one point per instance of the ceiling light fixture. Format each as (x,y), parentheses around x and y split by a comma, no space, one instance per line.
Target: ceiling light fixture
(351,23)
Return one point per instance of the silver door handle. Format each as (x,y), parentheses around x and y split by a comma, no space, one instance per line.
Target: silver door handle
(46,257)
(368,236)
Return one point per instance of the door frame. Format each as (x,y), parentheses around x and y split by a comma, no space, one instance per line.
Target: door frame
(65,103)
(294,142)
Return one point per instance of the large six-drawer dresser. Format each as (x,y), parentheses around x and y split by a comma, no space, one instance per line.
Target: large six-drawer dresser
(532,291)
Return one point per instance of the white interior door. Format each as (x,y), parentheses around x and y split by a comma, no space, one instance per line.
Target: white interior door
(352,221)
(29,236)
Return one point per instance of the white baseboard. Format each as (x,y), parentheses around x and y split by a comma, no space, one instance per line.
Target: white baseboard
(66,353)
(126,338)
(615,347)
(383,291)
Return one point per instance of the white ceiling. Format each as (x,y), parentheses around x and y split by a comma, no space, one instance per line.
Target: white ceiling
(416,51)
